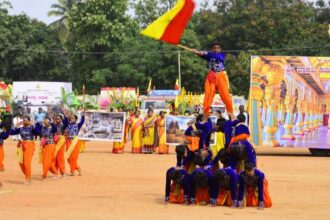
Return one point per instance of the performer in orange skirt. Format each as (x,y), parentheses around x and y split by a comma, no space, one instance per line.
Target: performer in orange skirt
(254,187)
(217,78)
(72,143)
(61,124)
(3,135)
(26,147)
(47,132)
(224,187)
(177,186)
(161,139)
(136,124)
(200,186)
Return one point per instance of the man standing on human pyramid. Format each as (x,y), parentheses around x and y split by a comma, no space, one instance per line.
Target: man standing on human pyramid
(217,79)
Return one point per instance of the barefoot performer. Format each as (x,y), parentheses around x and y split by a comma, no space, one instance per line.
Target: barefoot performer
(25,147)
(217,79)
(72,142)
(47,132)
(61,124)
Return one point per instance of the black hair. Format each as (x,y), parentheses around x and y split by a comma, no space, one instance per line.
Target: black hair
(221,124)
(219,112)
(219,175)
(60,116)
(239,152)
(150,110)
(199,117)
(75,117)
(200,179)
(223,156)
(161,112)
(198,159)
(180,150)
(215,43)
(241,118)
(27,117)
(248,165)
(176,176)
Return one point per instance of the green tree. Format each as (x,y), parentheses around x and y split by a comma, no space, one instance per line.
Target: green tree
(97,27)
(61,10)
(24,49)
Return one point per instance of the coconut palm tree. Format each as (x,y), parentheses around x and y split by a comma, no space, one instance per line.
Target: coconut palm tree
(61,10)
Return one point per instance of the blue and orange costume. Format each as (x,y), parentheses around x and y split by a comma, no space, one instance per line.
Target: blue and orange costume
(177,192)
(254,189)
(225,192)
(217,80)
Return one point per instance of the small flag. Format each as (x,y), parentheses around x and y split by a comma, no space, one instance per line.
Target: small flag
(177,86)
(149,85)
(170,26)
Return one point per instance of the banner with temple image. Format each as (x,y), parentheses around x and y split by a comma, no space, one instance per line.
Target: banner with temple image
(177,125)
(290,101)
(103,126)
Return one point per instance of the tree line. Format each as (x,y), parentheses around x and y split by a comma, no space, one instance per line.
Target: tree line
(97,43)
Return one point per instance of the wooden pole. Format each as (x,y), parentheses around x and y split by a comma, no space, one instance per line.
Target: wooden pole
(185,48)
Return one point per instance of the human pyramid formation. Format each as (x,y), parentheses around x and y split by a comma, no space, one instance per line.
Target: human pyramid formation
(198,178)
(58,140)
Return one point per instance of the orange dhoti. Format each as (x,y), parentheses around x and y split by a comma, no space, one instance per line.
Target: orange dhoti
(59,155)
(176,194)
(28,150)
(73,157)
(2,157)
(224,198)
(219,83)
(48,160)
(252,196)
(202,196)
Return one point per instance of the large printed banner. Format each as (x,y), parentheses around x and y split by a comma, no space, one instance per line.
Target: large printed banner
(40,93)
(103,126)
(290,101)
(47,95)
(176,127)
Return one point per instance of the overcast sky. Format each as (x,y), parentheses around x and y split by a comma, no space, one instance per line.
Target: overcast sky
(39,8)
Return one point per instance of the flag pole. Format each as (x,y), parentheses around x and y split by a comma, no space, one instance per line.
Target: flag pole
(179,68)
(185,48)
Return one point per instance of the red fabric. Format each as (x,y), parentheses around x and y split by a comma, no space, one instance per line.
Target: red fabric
(211,77)
(224,198)
(202,195)
(176,198)
(175,28)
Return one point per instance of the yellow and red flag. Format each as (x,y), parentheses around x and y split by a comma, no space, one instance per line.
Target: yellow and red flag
(170,26)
